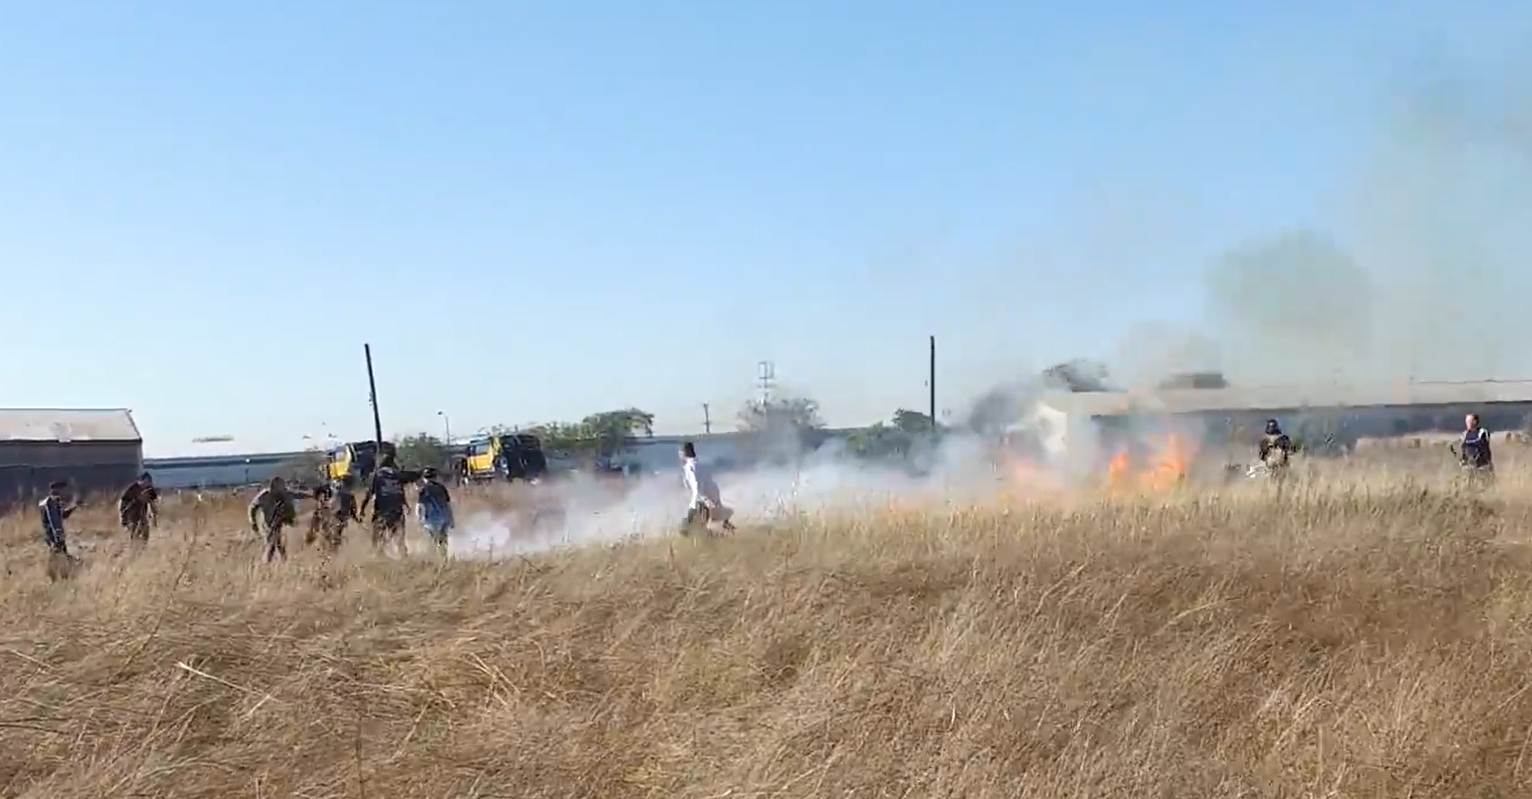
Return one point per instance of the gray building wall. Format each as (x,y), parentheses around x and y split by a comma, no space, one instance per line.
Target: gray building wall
(1343,426)
(96,451)
(91,468)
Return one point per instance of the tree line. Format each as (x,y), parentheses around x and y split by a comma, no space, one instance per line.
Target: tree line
(779,424)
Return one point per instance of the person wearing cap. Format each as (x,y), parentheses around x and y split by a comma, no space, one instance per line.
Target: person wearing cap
(433,506)
(138,508)
(54,509)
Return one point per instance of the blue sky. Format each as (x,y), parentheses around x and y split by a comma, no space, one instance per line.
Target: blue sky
(537,210)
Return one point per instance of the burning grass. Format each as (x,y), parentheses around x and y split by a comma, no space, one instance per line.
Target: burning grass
(1363,640)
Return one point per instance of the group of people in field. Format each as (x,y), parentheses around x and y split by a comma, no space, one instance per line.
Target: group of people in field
(137,512)
(274,510)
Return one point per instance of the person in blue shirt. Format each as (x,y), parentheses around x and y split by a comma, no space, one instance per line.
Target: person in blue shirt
(433,504)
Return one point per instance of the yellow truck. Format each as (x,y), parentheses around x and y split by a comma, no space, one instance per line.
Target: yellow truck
(358,459)
(507,456)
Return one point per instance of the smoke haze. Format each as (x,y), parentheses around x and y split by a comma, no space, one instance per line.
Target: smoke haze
(1423,272)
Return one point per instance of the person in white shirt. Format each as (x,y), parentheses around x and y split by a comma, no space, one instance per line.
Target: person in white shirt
(706,504)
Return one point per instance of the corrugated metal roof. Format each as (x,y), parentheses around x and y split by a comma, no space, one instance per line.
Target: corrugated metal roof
(65,425)
(1330,395)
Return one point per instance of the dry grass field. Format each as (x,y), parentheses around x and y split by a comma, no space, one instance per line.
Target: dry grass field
(1368,636)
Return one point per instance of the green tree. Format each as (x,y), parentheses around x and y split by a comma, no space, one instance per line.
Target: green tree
(613,433)
(897,438)
(908,421)
(565,440)
(780,428)
(878,442)
(421,450)
(778,413)
(598,438)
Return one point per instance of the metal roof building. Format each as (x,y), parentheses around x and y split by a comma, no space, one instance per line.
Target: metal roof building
(96,450)
(1358,409)
(1294,397)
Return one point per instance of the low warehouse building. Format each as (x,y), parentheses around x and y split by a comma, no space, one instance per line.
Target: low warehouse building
(1343,413)
(95,450)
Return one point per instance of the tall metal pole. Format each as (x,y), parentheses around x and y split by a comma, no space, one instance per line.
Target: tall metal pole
(707,419)
(934,425)
(372,396)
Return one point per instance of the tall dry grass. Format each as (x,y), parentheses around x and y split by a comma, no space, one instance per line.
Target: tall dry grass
(1363,638)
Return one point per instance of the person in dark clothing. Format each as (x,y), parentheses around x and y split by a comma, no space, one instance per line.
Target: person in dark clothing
(339,510)
(138,508)
(334,509)
(275,509)
(1476,456)
(319,517)
(1275,449)
(386,495)
(54,509)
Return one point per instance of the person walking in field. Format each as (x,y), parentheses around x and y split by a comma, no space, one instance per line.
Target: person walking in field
(334,509)
(272,511)
(138,508)
(1475,455)
(318,517)
(706,504)
(386,495)
(54,509)
(1275,449)
(433,504)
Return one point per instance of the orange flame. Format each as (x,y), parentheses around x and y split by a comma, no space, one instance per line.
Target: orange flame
(1164,468)
(1027,476)
(1156,464)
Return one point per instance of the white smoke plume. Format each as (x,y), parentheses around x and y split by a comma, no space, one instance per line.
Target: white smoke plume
(967,469)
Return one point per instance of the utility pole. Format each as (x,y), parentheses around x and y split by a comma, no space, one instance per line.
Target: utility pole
(707,420)
(765,377)
(934,425)
(372,397)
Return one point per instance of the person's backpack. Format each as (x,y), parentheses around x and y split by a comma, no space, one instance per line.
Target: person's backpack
(390,489)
